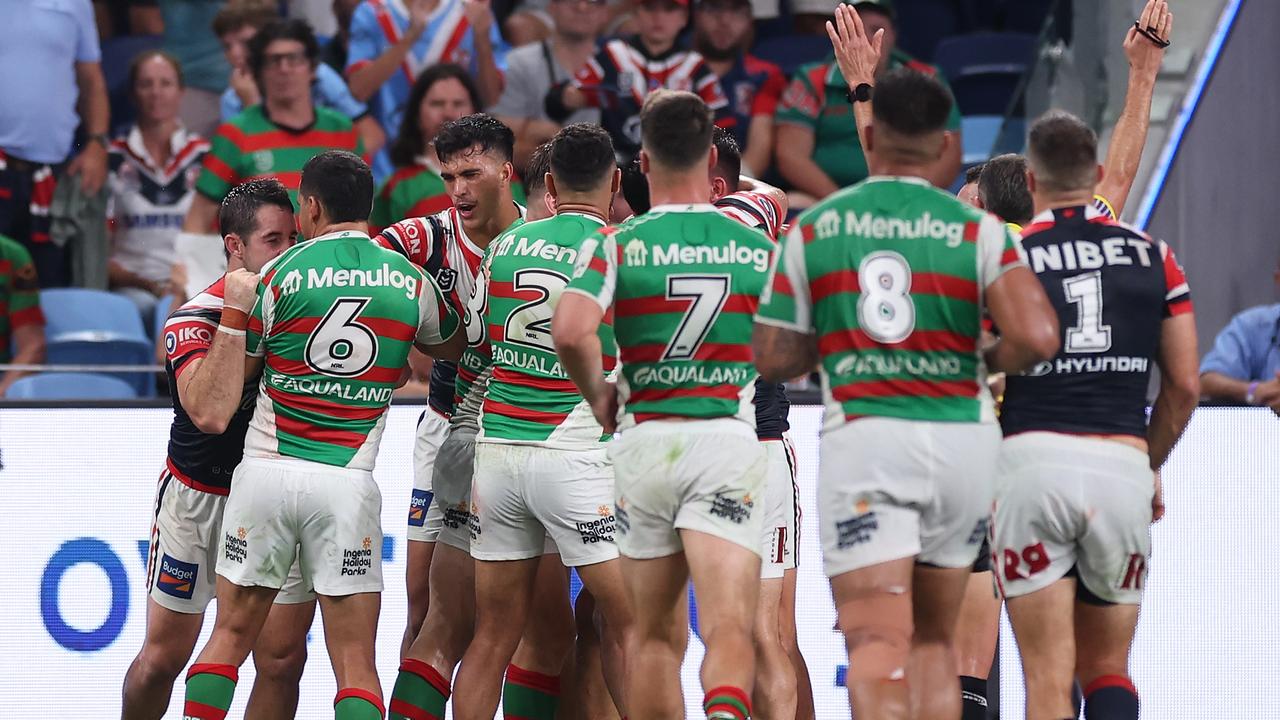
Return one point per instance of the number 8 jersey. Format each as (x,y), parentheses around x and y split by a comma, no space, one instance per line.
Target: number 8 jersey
(335,319)
(889,274)
(683,282)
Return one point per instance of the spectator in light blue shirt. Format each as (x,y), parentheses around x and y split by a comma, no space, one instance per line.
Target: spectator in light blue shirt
(1244,364)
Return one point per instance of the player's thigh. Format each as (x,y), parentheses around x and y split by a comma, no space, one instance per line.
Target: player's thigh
(340,531)
(259,525)
(937,594)
(657,590)
(170,637)
(768,624)
(185,538)
(424,508)
(350,626)
(960,458)
(978,626)
(720,471)
(1042,625)
(571,495)
(726,581)
(291,616)
(778,547)
(504,528)
(452,480)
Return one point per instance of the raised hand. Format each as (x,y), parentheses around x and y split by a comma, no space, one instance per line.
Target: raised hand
(1145,55)
(857,55)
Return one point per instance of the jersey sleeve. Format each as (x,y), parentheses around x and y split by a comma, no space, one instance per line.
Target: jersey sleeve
(365,44)
(418,239)
(596,272)
(590,79)
(800,104)
(755,210)
(87,47)
(1177,298)
(220,171)
(999,250)
(785,301)
(24,301)
(437,319)
(188,335)
(769,96)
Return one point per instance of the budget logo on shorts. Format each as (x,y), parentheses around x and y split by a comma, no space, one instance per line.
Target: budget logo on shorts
(418,506)
(177,578)
(731,509)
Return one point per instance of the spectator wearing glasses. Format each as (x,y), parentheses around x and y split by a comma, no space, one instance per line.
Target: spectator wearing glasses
(1244,364)
(723,33)
(533,69)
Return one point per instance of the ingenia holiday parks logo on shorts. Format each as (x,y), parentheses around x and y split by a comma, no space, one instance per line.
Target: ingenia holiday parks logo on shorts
(177,578)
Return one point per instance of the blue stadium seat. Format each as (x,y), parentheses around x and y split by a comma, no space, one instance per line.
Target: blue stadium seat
(70,386)
(922,24)
(161,316)
(117,54)
(97,327)
(984,69)
(789,52)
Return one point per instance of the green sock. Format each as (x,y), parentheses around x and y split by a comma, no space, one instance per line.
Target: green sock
(357,704)
(420,692)
(726,703)
(527,695)
(210,687)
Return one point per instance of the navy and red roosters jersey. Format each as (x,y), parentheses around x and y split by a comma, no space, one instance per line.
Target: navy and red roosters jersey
(198,459)
(1112,287)
(754,87)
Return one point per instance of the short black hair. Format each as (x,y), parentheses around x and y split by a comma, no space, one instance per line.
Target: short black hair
(582,156)
(281,29)
(911,103)
(728,156)
(675,128)
(459,136)
(238,213)
(1063,152)
(535,171)
(343,184)
(973,172)
(635,187)
(410,143)
(1003,189)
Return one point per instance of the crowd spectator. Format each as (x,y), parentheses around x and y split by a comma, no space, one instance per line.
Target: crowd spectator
(1244,364)
(392,42)
(128,17)
(334,52)
(533,69)
(533,20)
(235,26)
(723,34)
(816,124)
(626,70)
(441,93)
(153,167)
(21,322)
(187,37)
(52,83)
(272,139)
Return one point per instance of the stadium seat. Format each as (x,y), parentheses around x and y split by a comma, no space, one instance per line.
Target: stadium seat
(984,69)
(789,52)
(117,54)
(986,136)
(161,316)
(70,386)
(922,24)
(84,327)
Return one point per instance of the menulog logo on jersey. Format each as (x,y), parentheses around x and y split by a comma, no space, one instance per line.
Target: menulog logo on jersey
(383,276)
(876,227)
(637,253)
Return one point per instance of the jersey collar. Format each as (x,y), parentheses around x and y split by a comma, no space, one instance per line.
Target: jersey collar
(900,179)
(342,234)
(684,208)
(593,218)
(1090,212)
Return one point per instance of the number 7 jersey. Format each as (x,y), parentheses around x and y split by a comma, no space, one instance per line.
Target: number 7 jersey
(890,274)
(683,282)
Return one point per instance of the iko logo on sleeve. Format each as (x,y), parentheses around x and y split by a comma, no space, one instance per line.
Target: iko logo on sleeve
(177,578)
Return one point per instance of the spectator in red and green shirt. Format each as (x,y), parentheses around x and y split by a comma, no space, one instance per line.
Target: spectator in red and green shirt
(818,151)
(21,321)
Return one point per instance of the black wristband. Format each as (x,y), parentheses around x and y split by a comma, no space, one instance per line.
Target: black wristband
(554,105)
(859,93)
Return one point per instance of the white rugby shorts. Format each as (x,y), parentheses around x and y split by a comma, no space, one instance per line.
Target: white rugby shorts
(781,510)
(1065,501)
(424,512)
(890,488)
(454,468)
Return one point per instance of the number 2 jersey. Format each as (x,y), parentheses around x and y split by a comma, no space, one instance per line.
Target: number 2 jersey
(889,274)
(683,282)
(530,398)
(335,319)
(1112,287)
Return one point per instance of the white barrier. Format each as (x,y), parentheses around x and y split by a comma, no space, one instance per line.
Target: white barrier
(78,487)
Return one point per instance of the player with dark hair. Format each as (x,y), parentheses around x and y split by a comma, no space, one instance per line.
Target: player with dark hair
(634,193)
(212,403)
(882,286)
(1002,190)
(968,193)
(305,490)
(541,205)
(689,470)
(1079,474)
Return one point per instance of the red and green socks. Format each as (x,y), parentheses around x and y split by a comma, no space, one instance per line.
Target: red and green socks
(726,703)
(210,687)
(357,704)
(528,695)
(420,692)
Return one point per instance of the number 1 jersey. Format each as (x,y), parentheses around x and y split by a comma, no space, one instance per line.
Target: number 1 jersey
(683,282)
(335,319)
(889,274)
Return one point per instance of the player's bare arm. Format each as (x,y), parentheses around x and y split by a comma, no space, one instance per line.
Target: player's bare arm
(858,57)
(1179,361)
(201,215)
(750,184)
(1028,324)
(451,349)
(1130,134)
(573,332)
(783,354)
(212,387)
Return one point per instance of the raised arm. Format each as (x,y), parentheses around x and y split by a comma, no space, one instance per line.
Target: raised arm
(488,76)
(365,78)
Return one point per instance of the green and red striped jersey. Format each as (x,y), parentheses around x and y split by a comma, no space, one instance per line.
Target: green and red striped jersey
(335,319)
(683,282)
(250,146)
(890,274)
(19,293)
(531,399)
(410,192)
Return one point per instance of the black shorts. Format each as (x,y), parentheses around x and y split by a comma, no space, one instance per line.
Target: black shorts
(983,563)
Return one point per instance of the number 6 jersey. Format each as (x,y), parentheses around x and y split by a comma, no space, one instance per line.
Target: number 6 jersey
(683,282)
(889,274)
(335,319)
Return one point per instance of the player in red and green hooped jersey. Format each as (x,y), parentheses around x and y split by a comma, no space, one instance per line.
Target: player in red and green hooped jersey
(21,321)
(334,320)
(272,139)
(541,467)
(882,287)
(682,281)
